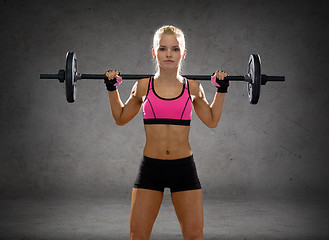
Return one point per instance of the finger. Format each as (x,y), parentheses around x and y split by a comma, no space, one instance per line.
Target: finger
(220,75)
(223,75)
(111,75)
(108,73)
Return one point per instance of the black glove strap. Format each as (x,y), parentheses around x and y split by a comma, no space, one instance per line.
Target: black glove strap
(222,89)
(223,85)
(109,84)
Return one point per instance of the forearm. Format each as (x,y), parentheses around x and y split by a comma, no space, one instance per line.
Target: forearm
(217,107)
(116,105)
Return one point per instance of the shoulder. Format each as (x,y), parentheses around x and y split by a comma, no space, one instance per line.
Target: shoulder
(194,87)
(143,81)
(141,86)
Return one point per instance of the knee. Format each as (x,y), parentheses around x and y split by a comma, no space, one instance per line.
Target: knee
(137,236)
(193,234)
(140,230)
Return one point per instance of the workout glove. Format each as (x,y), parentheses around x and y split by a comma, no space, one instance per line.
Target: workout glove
(111,85)
(222,85)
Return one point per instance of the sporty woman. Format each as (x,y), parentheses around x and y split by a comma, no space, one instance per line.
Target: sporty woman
(167,100)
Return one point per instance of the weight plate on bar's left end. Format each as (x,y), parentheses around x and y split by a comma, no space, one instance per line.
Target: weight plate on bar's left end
(70,76)
(255,74)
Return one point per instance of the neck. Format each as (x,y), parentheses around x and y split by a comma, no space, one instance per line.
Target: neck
(168,75)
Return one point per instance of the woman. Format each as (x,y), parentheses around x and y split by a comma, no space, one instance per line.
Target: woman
(167,100)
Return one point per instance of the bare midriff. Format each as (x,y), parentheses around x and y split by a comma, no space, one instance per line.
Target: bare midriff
(167,142)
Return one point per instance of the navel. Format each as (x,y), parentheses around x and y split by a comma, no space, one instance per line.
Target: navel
(167,152)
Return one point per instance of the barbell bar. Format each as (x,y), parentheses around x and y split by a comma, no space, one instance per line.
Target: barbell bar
(254,78)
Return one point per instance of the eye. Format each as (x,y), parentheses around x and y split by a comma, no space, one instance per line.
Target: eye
(176,49)
(162,49)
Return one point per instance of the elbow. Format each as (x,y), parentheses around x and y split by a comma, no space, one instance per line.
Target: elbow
(214,122)
(118,120)
(211,124)
(120,123)
(214,125)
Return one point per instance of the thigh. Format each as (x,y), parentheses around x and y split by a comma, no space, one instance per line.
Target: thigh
(189,210)
(145,205)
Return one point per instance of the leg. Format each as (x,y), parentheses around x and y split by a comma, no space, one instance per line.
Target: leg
(189,211)
(145,205)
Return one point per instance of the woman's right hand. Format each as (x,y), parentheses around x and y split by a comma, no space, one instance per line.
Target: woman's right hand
(111,74)
(113,79)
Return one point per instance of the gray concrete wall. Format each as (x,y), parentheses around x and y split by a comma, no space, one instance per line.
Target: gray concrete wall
(277,147)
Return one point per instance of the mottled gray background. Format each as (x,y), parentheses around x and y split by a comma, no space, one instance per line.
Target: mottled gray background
(278,147)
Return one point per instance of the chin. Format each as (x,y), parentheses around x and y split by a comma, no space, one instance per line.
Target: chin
(170,67)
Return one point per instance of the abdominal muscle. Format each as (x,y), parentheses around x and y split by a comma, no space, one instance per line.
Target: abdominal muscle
(167,142)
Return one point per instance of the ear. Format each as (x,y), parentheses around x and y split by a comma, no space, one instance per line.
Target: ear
(153,53)
(184,54)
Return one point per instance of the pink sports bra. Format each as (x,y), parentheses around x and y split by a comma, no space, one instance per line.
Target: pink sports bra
(172,111)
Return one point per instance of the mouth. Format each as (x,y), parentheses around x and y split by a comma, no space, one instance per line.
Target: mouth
(169,61)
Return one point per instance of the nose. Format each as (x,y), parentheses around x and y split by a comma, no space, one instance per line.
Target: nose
(169,53)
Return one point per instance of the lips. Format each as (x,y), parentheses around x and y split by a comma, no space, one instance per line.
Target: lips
(169,61)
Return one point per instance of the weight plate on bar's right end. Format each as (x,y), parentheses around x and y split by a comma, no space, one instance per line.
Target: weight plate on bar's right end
(70,76)
(254,72)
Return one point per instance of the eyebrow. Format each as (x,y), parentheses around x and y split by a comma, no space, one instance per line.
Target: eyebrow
(166,46)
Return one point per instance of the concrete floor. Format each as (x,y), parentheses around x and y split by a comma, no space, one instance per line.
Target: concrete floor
(108,218)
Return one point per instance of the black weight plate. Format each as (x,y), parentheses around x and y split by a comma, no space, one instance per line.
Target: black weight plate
(70,76)
(255,74)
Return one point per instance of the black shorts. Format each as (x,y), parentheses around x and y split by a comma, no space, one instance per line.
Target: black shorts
(178,175)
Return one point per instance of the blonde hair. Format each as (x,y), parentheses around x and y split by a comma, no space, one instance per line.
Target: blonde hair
(170,30)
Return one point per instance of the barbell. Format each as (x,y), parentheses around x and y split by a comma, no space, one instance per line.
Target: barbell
(70,76)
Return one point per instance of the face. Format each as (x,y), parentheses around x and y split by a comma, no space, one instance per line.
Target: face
(169,53)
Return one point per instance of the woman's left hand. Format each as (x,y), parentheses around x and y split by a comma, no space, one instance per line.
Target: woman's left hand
(218,80)
(220,75)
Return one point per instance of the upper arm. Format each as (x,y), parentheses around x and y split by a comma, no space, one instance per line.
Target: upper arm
(200,104)
(133,103)
(199,98)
